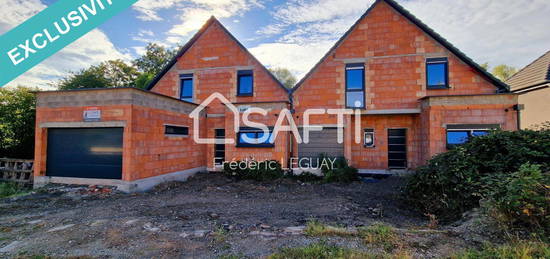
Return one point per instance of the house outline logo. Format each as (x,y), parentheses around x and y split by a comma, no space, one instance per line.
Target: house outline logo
(195,115)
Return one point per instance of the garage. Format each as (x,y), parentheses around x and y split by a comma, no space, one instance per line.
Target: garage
(322,142)
(84,153)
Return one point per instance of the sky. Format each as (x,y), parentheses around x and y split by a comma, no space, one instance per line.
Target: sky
(292,34)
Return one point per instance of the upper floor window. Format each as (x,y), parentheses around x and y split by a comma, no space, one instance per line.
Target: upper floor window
(186,92)
(245,83)
(437,73)
(252,137)
(460,134)
(355,86)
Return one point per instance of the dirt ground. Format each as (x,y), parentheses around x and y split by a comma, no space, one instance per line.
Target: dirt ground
(207,217)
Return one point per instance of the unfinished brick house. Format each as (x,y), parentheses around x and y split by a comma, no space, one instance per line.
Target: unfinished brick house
(417,93)
(417,96)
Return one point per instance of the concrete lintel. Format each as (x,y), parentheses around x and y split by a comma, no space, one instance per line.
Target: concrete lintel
(140,185)
(81,124)
(391,111)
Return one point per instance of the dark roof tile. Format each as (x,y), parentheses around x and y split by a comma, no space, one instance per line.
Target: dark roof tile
(534,74)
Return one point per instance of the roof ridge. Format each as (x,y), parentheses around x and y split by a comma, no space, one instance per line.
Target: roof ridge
(426,29)
(533,62)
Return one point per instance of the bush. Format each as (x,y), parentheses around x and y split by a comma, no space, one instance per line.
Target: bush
(253,170)
(17,118)
(305,177)
(8,189)
(521,200)
(341,172)
(454,182)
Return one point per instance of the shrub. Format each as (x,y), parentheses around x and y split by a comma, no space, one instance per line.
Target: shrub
(454,182)
(522,199)
(341,172)
(305,177)
(253,170)
(8,189)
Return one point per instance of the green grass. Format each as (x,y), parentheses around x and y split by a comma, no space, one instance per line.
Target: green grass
(10,189)
(380,234)
(520,249)
(324,251)
(318,229)
(376,234)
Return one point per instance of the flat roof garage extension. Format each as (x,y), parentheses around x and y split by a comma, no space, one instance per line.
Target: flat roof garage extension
(114,136)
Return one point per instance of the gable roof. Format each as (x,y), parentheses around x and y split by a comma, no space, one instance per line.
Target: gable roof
(192,41)
(535,74)
(501,87)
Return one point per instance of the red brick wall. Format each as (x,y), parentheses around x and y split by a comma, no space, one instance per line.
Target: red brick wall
(394,51)
(214,60)
(74,114)
(377,157)
(438,117)
(147,151)
(154,153)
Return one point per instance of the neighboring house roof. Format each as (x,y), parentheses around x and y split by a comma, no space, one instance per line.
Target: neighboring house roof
(502,87)
(190,43)
(535,74)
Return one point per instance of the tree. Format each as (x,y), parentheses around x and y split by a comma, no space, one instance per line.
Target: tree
(112,73)
(285,76)
(119,73)
(154,59)
(485,66)
(92,77)
(17,116)
(504,72)
(143,80)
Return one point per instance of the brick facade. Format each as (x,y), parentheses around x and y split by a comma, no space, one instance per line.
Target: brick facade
(394,50)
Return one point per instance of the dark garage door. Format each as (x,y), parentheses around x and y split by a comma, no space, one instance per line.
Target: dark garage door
(85,153)
(322,142)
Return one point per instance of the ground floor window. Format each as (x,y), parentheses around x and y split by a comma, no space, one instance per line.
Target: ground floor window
(369,137)
(460,134)
(252,137)
(176,130)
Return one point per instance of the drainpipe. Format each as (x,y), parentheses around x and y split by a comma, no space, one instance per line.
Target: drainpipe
(518,108)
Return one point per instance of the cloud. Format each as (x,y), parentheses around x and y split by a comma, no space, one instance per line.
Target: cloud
(499,32)
(300,11)
(91,49)
(192,14)
(298,58)
(513,32)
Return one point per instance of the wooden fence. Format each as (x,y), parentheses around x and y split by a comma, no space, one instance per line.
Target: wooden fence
(16,170)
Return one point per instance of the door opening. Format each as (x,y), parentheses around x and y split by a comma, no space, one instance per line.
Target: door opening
(397,148)
(219,149)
